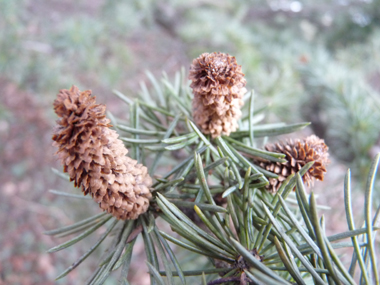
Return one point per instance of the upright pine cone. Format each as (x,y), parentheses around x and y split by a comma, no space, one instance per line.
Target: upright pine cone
(218,87)
(96,159)
(298,153)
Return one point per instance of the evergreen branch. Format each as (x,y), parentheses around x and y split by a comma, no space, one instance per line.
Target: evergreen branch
(88,253)
(320,240)
(368,215)
(248,257)
(270,130)
(69,195)
(294,248)
(174,260)
(199,272)
(81,236)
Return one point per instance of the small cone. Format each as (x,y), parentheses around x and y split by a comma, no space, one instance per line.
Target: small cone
(298,153)
(218,87)
(96,159)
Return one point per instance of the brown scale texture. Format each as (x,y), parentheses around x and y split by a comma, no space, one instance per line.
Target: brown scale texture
(218,87)
(96,159)
(297,153)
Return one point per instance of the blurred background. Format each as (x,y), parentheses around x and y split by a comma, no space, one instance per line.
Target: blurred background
(315,61)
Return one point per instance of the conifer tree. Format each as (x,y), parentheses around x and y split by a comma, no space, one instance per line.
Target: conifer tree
(225,199)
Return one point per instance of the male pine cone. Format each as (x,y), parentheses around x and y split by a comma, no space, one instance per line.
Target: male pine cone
(218,87)
(297,153)
(96,159)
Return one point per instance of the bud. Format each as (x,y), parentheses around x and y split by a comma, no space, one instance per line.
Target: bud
(96,159)
(218,87)
(297,153)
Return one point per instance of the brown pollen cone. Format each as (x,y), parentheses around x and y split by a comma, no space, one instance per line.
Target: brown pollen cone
(218,87)
(96,159)
(297,153)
